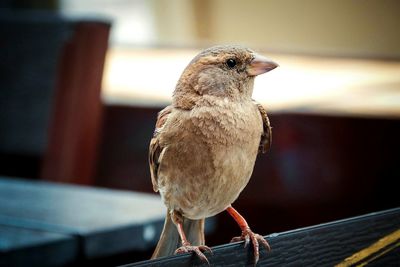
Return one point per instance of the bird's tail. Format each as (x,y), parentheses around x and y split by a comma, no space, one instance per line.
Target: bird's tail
(170,240)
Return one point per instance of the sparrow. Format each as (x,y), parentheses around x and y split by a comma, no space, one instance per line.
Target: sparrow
(205,145)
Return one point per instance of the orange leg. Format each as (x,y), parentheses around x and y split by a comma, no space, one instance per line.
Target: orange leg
(181,232)
(186,246)
(247,234)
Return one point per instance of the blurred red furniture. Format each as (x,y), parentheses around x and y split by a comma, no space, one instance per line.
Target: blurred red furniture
(50,99)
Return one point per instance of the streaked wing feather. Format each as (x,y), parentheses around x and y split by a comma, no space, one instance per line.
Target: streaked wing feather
(266,137)
(155,148)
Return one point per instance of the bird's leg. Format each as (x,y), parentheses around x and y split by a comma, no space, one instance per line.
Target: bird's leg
(247,234)
(186,246)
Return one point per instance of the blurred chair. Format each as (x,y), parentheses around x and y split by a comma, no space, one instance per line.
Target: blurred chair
(51,69)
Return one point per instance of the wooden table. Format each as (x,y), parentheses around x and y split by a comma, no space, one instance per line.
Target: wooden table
(47,224)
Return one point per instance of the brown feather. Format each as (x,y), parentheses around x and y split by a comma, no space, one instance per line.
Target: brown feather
(155,147)
(266,137)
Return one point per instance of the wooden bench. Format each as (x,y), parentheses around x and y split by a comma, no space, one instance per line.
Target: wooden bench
(370,239)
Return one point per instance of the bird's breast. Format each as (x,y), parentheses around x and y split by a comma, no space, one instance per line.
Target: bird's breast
(212,161)
(227,123)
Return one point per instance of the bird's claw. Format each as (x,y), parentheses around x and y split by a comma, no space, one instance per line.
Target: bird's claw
(196,249)
(256,240)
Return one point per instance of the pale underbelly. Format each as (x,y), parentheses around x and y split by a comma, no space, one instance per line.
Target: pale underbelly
(212,185)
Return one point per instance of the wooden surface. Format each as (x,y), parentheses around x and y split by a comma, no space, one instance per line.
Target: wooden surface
(77,112)
(42,222)
(22,246)
(321,245)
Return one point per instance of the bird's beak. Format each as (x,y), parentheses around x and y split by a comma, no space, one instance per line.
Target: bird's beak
(260,65)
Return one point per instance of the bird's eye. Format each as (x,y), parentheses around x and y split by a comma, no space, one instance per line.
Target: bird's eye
(231,63)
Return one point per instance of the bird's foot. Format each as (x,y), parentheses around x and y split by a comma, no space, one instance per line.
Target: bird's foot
(198,250)
(256,240)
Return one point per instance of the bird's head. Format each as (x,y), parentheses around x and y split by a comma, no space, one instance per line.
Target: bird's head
(220,71)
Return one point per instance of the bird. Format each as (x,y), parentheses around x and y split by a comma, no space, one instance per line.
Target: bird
(204,147)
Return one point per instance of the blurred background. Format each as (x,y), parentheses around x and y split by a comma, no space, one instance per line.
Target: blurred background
(81,83)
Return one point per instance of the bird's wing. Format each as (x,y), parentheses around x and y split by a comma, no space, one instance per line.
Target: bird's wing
(156,149)
(266,137)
